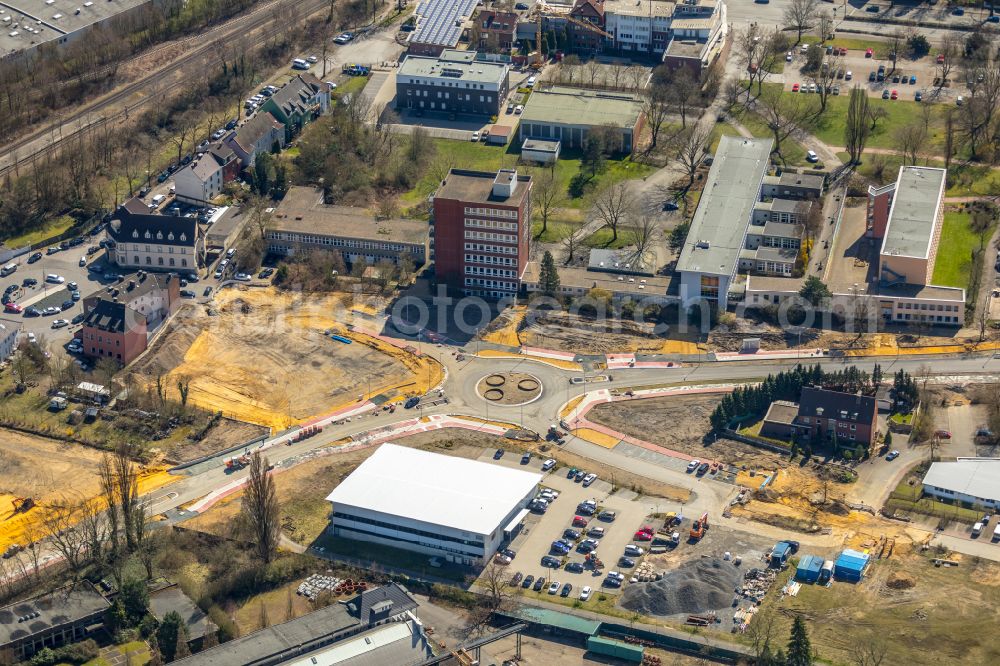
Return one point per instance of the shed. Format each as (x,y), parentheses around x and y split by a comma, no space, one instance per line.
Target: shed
(780,553)
(541,151)
(809,568)
(499,135)
(850,566)
(614,648)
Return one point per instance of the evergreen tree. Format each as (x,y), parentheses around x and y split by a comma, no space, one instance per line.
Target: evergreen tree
(799,648)
(170,633)
(548,278)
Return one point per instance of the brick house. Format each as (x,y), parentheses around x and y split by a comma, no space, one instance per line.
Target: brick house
(820,413)
(298,103)
(583,40)
(495,30)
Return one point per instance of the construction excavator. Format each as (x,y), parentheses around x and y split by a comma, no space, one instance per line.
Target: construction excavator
(699,527)
(22,504)
(541,11)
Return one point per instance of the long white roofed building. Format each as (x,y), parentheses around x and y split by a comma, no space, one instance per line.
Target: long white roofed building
(456,509)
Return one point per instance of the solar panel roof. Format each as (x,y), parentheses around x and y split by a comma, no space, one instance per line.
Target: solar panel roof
(438,21)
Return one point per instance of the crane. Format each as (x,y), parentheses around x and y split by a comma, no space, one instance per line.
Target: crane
(541,13)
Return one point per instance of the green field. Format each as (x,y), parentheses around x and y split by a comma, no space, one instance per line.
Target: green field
(973,180)
(793,151)
(954,256)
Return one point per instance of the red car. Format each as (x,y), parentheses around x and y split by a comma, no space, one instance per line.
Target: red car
(14,308)
(843,51)
(643,536)
(893,95)
(579,521)
(795,87)
(869,53)
(943,434)
(940,58)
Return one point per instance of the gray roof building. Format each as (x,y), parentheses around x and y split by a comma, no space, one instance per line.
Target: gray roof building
(454,66)
(967,479)
(577,106)
(66,615)
(914,212)
(719,227)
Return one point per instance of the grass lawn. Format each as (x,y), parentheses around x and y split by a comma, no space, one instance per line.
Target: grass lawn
(602,239)
(50,228)
(720,130)
(854,44)
(902,418)
(973,180)
(479,156)
(954,256)
(353,84)
(390,557)
(554,231)
(793,151)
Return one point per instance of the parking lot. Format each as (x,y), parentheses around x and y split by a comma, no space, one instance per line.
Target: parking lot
(540,530)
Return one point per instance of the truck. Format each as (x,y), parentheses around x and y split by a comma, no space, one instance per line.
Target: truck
(58,403)
(237,462)
(996,533)
(699,527)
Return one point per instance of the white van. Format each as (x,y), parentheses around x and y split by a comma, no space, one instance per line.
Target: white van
(299,63)
(977,529)
(157,200)
(7,270)
(812,156)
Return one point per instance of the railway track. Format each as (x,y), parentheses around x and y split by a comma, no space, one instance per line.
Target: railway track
(158,84)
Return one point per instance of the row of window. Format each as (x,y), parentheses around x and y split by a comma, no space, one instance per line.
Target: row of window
(928,306)
(149,261)
(477,540)
(774,267)
(495,272)
(499,249)
(945,319)
(488,259)
(492,284)
(445,84)
(157,248)
(490,224)
(336,241)
(490,236)
(100,338)
(492,212)
(819,422)
(94,351)
(447,95)
(780,241)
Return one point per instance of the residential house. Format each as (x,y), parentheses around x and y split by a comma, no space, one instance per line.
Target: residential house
(298,103)
(823,414)
(495,30)
(144,240)
(772,248)
(257,135)
(202,180)
(584,40)
(699,36)
(638,26)
(793,185)
(9,330)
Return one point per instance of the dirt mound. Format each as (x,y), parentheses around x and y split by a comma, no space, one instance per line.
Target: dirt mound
(694,587)
(900,581)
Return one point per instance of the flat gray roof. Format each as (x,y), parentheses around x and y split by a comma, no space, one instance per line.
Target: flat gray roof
(55,609)
(303,211)
(580,278)
(40,21)
(719,226)
(914,211)
(978,477)
(454,66)
(562,105)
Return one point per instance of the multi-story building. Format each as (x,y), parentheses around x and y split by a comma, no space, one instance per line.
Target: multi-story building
(585,40)
(257,135)
(303,222)
(495,30)
(143,240)
(699,36)
(454,82)
(638,26)
(440,26)
(913,229)
(298,103)
(772,248)
(482,231)
(202,180)
(118,320)
(9,331)
(823,414)
(717,237)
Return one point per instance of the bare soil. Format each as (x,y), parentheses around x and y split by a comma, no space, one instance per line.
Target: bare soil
(680,423)
(585,335)
(225,434)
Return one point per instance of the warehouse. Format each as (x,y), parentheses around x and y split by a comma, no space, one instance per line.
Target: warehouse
(451,508)
(974,481)
(568,115)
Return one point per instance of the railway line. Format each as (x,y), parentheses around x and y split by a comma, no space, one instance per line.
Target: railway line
(118,105)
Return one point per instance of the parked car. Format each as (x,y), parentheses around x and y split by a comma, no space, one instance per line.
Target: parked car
(29,282)
(574,567)
(243,277)
(566,589)
(553,587)
(34,257)
(885,94)
(596,532)
(585,593)
(633,550)
(607,516)
(32,311)
(498,454)
(187,293)
(539,584)
(548,464)
(343,38)
(207,292)
(515,580)
(13,308)
(550,562)
(72,286)
(266,273)
(51,310)
(528,580)
(702,468)
(60,323)
(892,455)
(519,109)
(526,458)
(942,434)
(411,402)
(78,318)
(589,479)
(693,465)
(66,305)
(795,87)
(626,562)
(579,521)
(54,279)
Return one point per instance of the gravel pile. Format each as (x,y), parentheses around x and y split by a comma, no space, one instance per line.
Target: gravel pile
(694,587)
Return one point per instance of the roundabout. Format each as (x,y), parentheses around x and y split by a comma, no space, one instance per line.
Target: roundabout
(509,388)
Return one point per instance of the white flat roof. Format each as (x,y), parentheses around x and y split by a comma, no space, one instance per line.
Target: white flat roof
(433,488)
(978,477)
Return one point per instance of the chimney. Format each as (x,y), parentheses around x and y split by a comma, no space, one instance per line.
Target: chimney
(505,183)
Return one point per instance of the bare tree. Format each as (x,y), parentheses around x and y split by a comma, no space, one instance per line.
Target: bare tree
(826,26)
(547,195)
(948,148)
(784,115)
(612,205)
(494,583)
(572,242)
(260,508)
(60,524)
(656,109)
(895,44)
(824,77)
(758,51)
(689,149)
(950,50)
(868,651)
(646,236)
(910,138)
(800,16)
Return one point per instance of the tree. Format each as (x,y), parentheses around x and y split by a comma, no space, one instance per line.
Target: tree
(548,278)
(645,237)
(950,50)
(784,115)
(910,138)
(800,16)
(826,26)
(592,161)
(572,242)
(856,129)
(169,635)
(263,173)
(613,205)
(895,45)
(656,109)
(546,195)
(814,291)
(677,237)
(799,647)
(690,147)
(824,77)
(919,46)
(260,508)
(494,582)
(60,524)
(134,597)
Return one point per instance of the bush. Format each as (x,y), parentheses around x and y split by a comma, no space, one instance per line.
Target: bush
(919,46)
(74,653)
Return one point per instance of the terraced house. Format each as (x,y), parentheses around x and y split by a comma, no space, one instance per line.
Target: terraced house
(298,103)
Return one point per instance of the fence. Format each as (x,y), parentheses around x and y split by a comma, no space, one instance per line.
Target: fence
(753,441)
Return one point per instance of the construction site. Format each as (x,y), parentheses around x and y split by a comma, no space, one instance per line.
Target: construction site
(36,472)
(277,359)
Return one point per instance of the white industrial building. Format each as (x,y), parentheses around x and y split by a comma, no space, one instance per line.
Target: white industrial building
(455,509)
(970,480)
